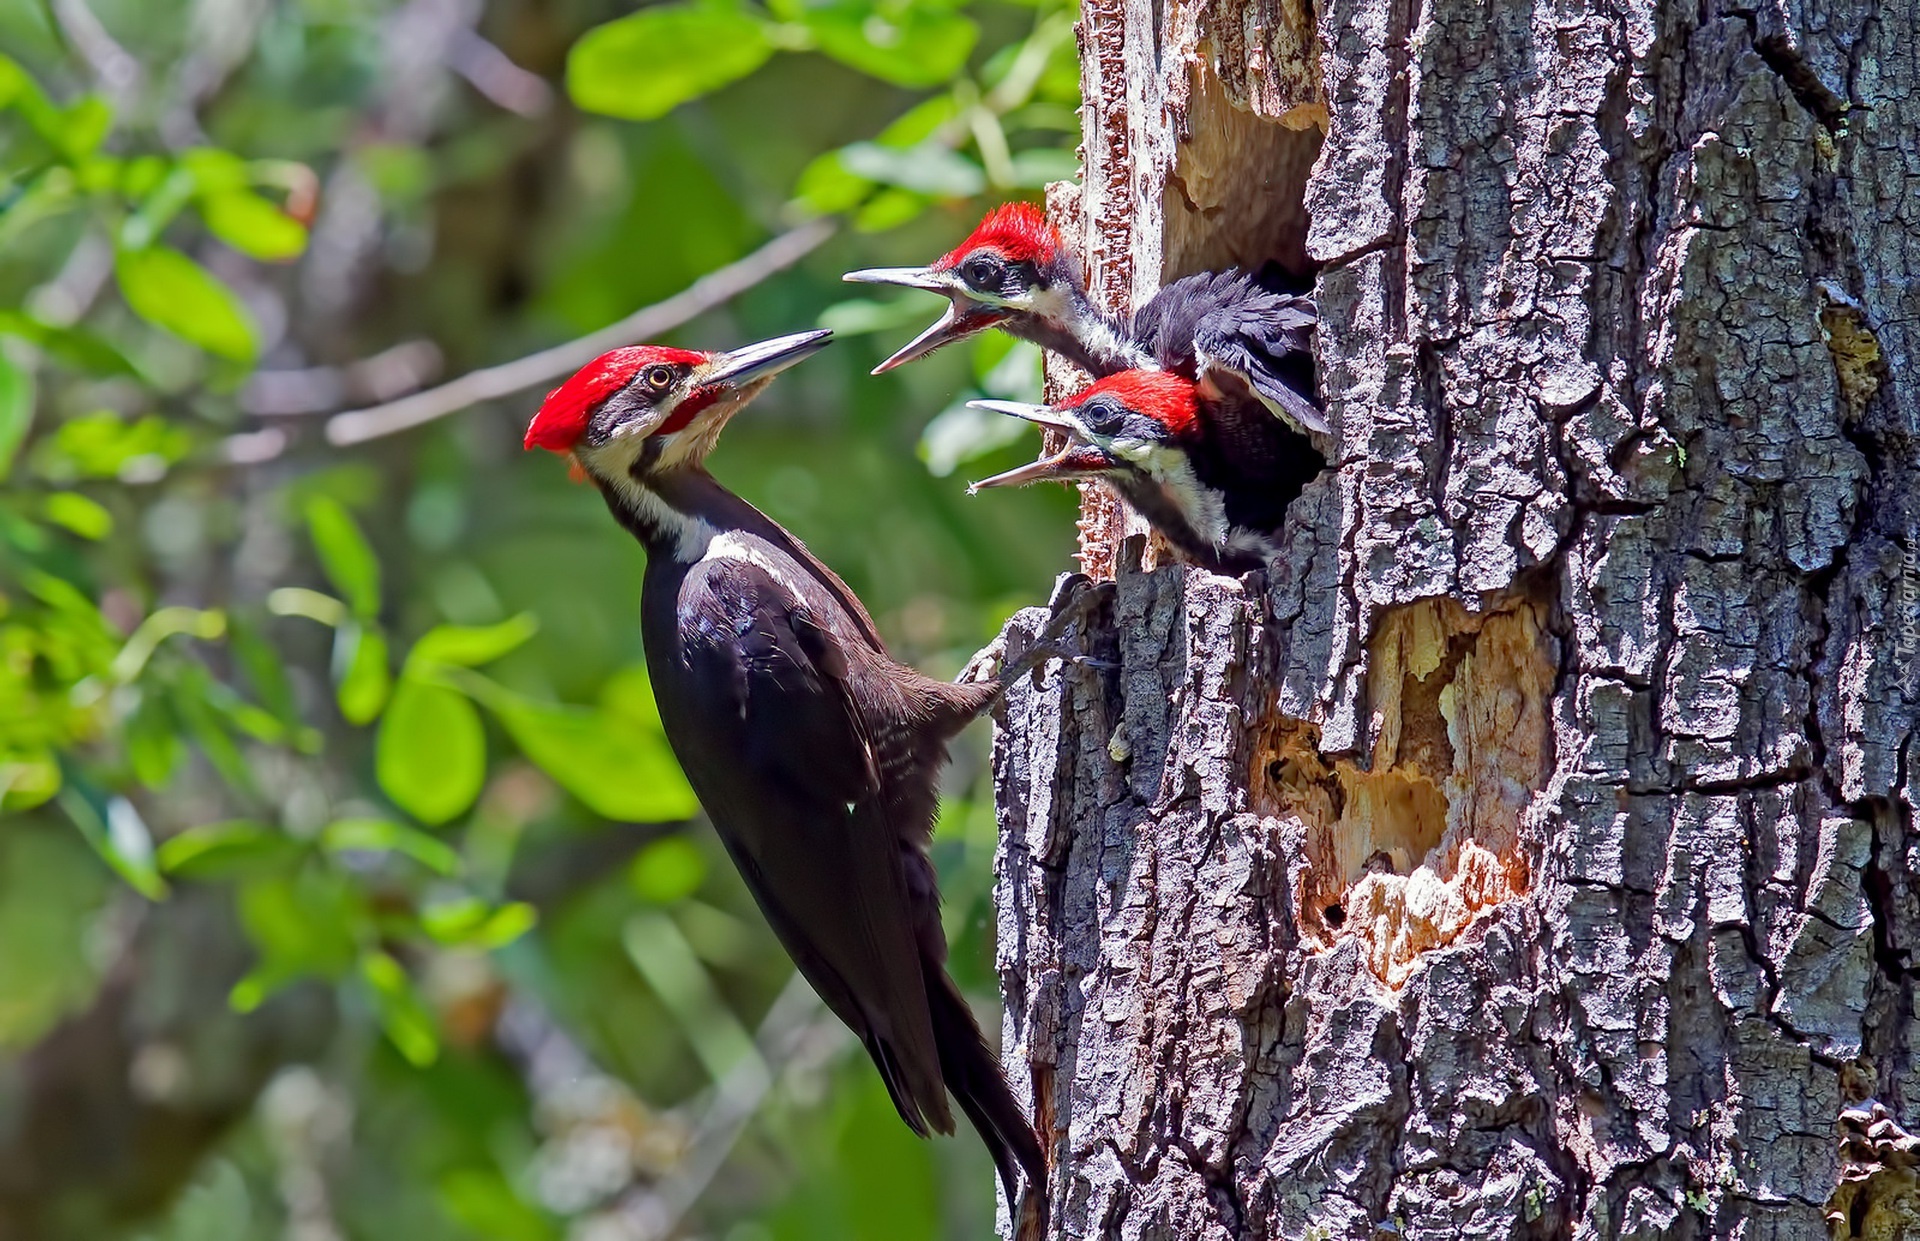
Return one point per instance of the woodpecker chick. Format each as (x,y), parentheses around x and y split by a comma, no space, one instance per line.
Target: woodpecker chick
(1246,343)
(1152,436)
(814,753)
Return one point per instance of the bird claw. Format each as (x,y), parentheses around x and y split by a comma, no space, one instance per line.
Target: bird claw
(985,663)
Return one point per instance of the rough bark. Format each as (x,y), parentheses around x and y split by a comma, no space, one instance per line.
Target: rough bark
(1531,853)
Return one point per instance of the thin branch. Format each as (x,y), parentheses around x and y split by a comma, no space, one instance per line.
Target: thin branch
(491,383)
(118,71)
(795,1020)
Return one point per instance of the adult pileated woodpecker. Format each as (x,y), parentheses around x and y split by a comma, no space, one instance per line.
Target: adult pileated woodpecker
(1146,433)
(1243,341)
(813,752)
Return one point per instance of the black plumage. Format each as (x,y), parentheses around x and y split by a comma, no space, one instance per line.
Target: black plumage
(812,751)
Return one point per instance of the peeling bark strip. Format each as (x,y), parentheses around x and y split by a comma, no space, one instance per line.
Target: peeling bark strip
(1532,854)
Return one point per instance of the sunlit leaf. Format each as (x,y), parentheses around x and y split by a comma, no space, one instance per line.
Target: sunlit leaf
(926,169)
(28,779)
(616,765)
(103,445)
(648,63)
(79,514)
(225,850)
(403,1015)
(890,208)
(1034,169)
(472,923)
(827,186)
(858,316)
(668,871)
(345,555)
(172,292)
(914,46)
(120,836)
(381,836)
(16,409)
(307,923)
(959,434)
(72,346)
(468,646)
(254,226)
(361,672)
(431,753)
(154,745)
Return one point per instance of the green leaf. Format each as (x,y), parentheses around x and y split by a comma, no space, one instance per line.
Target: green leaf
(621,768)
(254,226)
(826,187)
(668,871)
(226,850)
(470,922)
(483,1201)
(403,1015)
(890,208)
(468,646)
(28,779)
(431,753)
(100,445)
(120,836)
(1034,169)
(646,64)
(177,295)
(307,923)
(16,409)
(154,746)
(79,514)
(858,316)
(72,346)
(918,46)
(345,555)
(927,169)
(381,836)
(360,666)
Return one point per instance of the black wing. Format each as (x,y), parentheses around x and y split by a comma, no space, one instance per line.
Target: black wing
(1244,337)
(787,771)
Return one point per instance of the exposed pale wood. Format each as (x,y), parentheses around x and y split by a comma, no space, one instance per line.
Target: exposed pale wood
(1532,853)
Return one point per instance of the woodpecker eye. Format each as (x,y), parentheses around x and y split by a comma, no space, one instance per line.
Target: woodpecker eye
(980,271)
(658,378)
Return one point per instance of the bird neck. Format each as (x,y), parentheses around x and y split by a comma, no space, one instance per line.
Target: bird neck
(683,516)
(1067,322)
(675,513)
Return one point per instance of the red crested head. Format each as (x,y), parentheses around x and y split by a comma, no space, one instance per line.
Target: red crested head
(564,415)
(1163,396)
(1018,232)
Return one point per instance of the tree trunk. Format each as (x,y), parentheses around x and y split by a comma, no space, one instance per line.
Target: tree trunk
(1531,852)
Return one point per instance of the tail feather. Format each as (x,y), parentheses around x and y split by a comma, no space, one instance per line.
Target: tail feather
(975,1079)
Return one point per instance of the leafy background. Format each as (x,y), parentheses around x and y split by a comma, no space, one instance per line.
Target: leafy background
(347,889)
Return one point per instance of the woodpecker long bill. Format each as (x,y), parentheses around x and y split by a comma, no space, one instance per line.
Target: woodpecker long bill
(1076,459)
(964,316)
(749,364)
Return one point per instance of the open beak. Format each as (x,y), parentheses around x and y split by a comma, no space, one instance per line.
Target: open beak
(962,319)
(1044,415)
(749,364)
(1069,465)
(1077,459)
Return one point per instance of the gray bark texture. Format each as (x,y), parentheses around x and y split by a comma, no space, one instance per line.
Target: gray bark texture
(1531,852)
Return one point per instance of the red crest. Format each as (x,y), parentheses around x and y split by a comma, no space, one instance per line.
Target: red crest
(1165,397)
(1018,231)
(563,416)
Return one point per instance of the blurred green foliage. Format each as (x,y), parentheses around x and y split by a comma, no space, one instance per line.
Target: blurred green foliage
(362,733)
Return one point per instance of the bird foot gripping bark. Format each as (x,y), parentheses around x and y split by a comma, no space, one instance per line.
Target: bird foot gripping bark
(1076,599)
